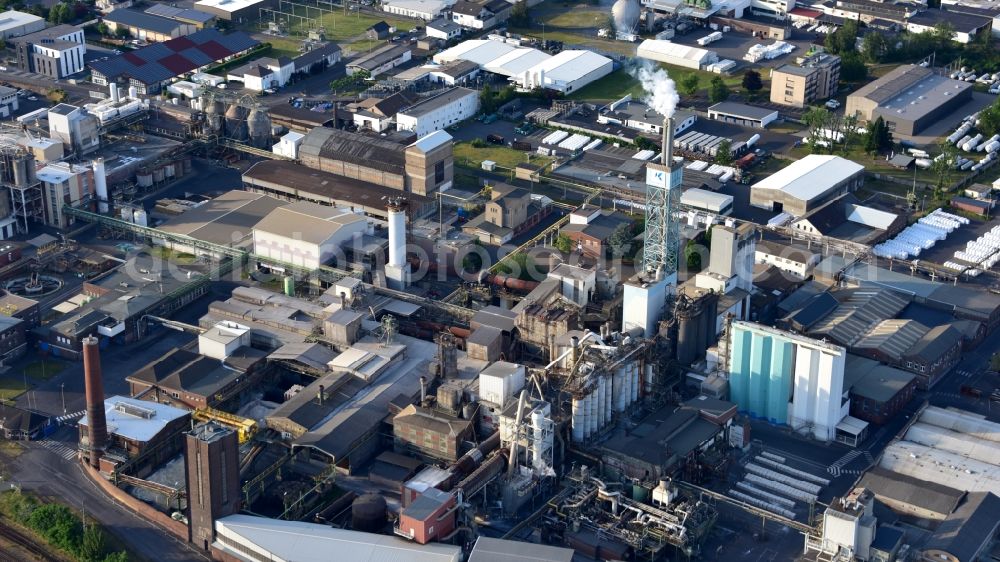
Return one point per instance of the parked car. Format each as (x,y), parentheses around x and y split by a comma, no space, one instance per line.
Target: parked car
(832,104)
(494,139)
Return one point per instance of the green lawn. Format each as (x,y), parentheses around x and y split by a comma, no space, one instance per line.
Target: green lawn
(11,386)
(578,17)
(284,47)
(619,83)
(579,40)
(472,157)
(44,369)
(338,25)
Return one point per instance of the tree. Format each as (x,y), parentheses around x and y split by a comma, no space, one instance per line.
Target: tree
(724,155)
(620,240)
(487,102)
(816,118)
(752,82)
(717,90)
(943,32)
(989,119)
(852,68)
(122,33)
(519,265)
(689,84)
(103,29)
(519,14)
(93,545)
(942,166)
(56,96)
(874,47)
(843,40)
(878,137)
(564,244)
(692,256)
(59,13)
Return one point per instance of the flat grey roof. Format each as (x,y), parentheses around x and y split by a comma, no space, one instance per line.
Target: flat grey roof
(498,550)
(433,104)
(742,110)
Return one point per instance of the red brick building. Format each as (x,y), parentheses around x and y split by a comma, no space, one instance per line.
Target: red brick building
(429,517)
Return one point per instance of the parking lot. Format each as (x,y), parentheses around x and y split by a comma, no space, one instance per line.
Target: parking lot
(734,45)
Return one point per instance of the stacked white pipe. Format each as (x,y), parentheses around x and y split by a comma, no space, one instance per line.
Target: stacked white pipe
(920,236)
(555,137)
(984,252)
(575,142)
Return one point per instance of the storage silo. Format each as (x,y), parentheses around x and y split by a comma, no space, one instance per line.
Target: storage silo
(368,513)
(626,15)
(214,111)
(259,127)
(236,123)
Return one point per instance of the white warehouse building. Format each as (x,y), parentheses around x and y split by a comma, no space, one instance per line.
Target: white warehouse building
(426,10)
(567,72)
(676,54)
(306,234)
(439,112)
(530,68)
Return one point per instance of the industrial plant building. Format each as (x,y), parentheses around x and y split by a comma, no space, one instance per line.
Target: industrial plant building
(136,431)
(422,167)
(816,78)
(909,98)
(806,184)
(226,221)
(150,68)
(305,234)
(788,379)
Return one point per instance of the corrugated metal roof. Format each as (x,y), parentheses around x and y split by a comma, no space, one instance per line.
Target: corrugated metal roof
(973,525)
(374,152)
(488,549)
(892,337)
(811,176)
(309,222)
(312,542)
(930,496)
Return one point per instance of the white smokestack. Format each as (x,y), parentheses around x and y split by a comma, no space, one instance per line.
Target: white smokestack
(397,271)
(100,185)
(660,90)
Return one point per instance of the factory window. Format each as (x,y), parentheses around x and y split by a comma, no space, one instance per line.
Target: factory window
(439,173)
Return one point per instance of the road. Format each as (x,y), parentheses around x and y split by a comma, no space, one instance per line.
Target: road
(48,473)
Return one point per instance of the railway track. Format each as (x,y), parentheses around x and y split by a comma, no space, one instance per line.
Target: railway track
(24,542)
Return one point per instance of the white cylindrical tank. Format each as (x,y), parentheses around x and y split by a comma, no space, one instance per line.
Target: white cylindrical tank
(618,390)
(608,400)
(101,184)
(578,407)
(113,91)
(397,236)
(140,218)
(601,394)
(133,92)
(592,414)
(752,140)
(537,427)
(635,384)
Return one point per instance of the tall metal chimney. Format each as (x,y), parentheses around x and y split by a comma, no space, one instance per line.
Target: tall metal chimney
(668,141)
(94,390)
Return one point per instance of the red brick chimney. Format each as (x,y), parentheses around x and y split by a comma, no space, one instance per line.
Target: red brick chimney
(96,422)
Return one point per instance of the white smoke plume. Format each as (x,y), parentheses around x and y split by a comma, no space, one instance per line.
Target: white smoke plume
(660,90)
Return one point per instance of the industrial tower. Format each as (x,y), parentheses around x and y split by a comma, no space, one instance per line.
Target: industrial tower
(646,293)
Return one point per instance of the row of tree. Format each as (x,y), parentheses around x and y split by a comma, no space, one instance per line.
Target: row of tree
(58,525)
(830,132)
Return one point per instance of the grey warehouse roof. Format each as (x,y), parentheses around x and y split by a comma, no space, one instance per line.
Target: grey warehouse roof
(143,20)
(741,110)
(441,100)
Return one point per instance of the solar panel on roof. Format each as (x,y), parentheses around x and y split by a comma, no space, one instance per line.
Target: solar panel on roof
(179,44)
(134,59)
(196,56)
(214,50)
